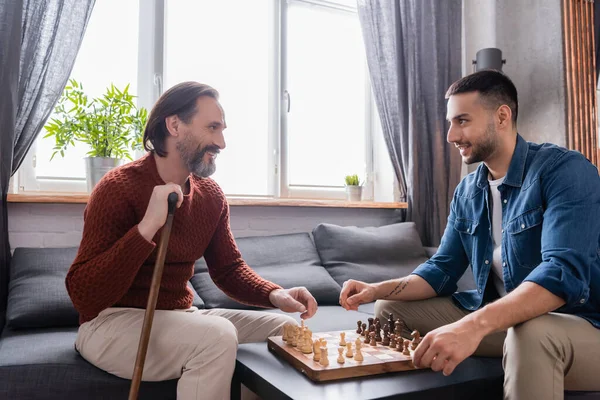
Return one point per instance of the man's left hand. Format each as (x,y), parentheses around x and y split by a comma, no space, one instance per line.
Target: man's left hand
(446,347)
(296,299)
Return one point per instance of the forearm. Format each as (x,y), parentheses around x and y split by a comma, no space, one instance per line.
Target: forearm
(411,287)
(526,302)
(243,284)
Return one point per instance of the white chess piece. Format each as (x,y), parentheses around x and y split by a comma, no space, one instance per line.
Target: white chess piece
(324,357)
(316,351)
(343,339)
(349,351)
(340,358)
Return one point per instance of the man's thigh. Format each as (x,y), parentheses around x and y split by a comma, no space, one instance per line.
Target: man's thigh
(111,340)
(427,315)
(253,326)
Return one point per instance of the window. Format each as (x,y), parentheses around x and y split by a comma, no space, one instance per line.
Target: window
(106,56)
(291,73)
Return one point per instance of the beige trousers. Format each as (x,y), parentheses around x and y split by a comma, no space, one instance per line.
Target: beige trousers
(196,346)
(542,357)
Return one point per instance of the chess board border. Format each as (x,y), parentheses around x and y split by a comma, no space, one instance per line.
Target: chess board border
(317,372)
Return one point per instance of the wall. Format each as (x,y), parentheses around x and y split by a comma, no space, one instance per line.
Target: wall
(60,225)
(529,33)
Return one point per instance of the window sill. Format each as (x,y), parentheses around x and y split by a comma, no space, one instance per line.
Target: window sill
(82,198)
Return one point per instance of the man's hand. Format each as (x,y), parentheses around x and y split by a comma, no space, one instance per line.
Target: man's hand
(296,299)
(446,347)
(156,212)
(355,293)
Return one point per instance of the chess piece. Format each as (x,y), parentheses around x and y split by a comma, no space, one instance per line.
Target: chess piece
(307,344)
(406,352)
(399,345)
(373,341)
(324,357)
(370,323)
(398,327)
(358,356)
(386,338)
(341,358)
(378,332)
(391,321)
(316,351)
(295,337)
(343,339)
(367,338)
(286,329)
(349,350)
(358,330)
(376,320)
(392,340)
(364,329)
(413,345)
(416,336)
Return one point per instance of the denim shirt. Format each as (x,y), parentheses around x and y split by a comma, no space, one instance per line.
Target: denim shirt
(550,231)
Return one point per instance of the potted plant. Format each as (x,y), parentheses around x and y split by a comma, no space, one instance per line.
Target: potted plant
(353,188)
(111,125)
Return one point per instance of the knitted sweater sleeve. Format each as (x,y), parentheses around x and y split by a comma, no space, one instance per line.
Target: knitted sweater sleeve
(110,253)
(230,272)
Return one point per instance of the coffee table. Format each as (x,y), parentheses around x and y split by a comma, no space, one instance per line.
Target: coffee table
(272,378)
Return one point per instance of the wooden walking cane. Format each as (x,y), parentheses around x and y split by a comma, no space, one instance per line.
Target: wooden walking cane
(152,298)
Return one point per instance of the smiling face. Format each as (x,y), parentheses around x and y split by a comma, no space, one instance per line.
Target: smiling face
(472,127)
(201,139)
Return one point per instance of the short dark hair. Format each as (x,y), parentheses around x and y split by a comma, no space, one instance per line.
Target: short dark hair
(494,87)
(179,100)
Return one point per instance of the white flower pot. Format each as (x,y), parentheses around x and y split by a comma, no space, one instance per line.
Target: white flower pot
(354,193)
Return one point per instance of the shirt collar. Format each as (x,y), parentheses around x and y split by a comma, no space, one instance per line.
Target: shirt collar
(516,169)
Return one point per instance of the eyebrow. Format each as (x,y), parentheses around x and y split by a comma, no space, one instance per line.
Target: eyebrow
(459,116)
(216,123)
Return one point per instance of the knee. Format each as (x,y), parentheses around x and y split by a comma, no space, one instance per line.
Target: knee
(529,336)
(222,331)
(383,309)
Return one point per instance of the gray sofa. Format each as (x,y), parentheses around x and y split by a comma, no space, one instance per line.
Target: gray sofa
(37,355)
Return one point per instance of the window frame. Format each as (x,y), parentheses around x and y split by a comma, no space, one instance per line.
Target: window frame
(150,70)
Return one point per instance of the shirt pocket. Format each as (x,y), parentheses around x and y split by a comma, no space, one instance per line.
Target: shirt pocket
(525,232)
(467,229)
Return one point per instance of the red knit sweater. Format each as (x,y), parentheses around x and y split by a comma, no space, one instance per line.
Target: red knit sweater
(114,265)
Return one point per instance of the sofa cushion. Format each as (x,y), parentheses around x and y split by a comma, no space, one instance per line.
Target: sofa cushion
(287,260)
(43,364)
(370,254)
(37,296)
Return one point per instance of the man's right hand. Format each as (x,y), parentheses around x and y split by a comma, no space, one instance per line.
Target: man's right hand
(156,212)
(355,293)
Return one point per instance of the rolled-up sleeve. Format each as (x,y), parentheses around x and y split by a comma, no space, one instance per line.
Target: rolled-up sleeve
(570,229)
(444,269)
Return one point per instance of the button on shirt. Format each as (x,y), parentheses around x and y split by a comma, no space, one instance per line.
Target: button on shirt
(551,231)
(496,205)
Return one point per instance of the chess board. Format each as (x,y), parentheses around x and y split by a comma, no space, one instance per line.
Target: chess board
(378,359)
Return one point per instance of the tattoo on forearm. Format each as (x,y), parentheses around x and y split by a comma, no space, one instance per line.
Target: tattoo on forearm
(399,288)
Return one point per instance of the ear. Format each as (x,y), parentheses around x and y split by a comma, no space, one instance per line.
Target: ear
(173,125)
(504,117)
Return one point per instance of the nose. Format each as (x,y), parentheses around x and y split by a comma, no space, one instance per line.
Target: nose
(453,135)
(220,141)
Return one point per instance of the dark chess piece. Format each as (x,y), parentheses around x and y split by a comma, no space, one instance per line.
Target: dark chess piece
(392,340)
(398,326)
(391,321)
(373,341)
(386,336)
(358,330)
(370,323)
(364,329)
(367,337)
(378,337)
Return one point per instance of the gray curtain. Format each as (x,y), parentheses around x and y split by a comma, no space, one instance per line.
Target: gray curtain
(413,51)
(39,41)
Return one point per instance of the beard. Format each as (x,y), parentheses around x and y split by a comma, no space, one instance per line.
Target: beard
(193,157)
(484,147)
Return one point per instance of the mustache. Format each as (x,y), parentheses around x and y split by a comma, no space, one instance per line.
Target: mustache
(211,149)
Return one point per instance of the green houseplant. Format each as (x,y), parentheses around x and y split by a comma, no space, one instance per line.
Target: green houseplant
(111,125)
(353,188)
